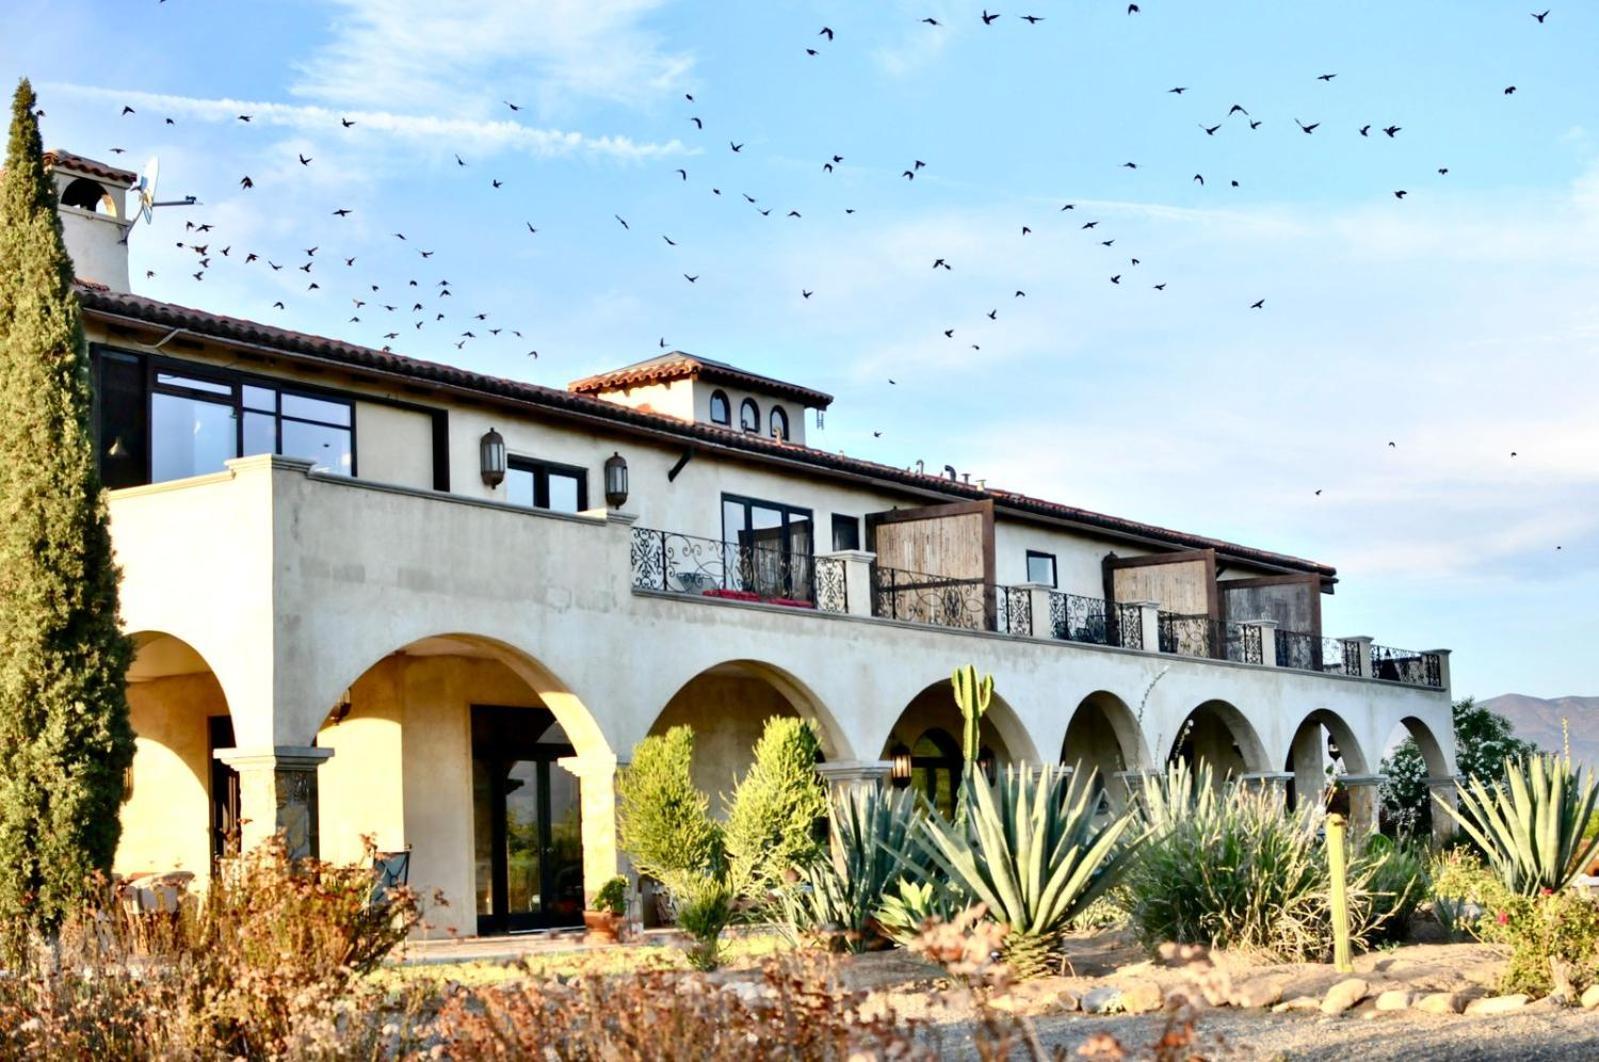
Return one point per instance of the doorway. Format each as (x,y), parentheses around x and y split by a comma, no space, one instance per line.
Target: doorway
(526,821)
(224,790)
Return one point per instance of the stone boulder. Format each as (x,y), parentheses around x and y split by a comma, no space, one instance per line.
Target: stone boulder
(1440,1003)
(1497,1004)
(1344,995)
(1141,997)
(1394,999)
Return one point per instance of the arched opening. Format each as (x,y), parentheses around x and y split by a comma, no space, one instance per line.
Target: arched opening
(459,756)
(1102,737)
(749,415)
(779,424)
(180,804)
(1324,747)
(727,707)
(925,746)
(1412,757)
(86,194)
(721,411)
(1216,733)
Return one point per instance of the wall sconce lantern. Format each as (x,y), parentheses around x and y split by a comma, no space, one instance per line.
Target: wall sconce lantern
(616,481)
(900,766)
(492,451)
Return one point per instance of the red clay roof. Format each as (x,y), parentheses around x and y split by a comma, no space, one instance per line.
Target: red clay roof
(67,160)
(98,301)
(677,365)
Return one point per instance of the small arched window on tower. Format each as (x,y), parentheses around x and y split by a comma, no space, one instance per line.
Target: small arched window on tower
(749,416)
(779,423)
(721,412)
(88,195)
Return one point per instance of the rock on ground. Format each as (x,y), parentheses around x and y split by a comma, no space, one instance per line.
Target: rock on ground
(1497,1004)
(1590,997)
(1440,1003)
(1343,995)
(1105,999)
(1141,997)
(1394,999)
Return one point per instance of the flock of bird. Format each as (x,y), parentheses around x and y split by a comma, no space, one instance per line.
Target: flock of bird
(419,307)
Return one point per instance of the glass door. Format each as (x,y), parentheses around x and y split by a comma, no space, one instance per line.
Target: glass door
(527,825)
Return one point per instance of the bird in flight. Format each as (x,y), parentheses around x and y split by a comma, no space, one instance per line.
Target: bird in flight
(619,217)
(1541,17)
(1326,77)
(342,212)
(304,161)
(826,32)
(988,20)
(1254,124)
(1510,91)
(346,122)
(683,174)
(246,183)
(1307,129)
(1365,130)
(511,105)
(931,21)
(1129,165)
(1261,305)
(126,110)
(735,147)
(690,279)
(1236,109)
(806,294)
(1210,130)
(1178,91)
(1400,194)
(698,124)
(1392,131)
(244,117)
(1032,20)
(669,241)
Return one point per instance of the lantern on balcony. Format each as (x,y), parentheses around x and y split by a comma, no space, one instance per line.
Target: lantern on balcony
(899,771)
(616,481)
(492,452)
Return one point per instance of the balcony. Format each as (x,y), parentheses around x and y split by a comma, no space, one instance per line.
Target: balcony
(671,563)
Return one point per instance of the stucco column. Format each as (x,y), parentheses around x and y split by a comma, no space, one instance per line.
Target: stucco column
(1269,781)
(846,774)
(1447,790)
(1444,682)
(277,794)
(602,856)
(857,578)
(1268,641)
(1362,800)
(1306,756)
(1363,652)
(1149,615)
(1040,594)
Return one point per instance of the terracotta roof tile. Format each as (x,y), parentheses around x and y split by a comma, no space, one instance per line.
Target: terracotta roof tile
(67,160)
(101,302)
(677,365)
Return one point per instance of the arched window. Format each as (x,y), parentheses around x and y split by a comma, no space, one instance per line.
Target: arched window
(721,412)
(749,415)
(87,195)
(779,421)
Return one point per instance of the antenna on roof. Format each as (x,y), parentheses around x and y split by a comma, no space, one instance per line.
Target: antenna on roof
(144,200)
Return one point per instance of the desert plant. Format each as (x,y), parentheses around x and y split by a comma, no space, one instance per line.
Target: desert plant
(1178,794)
(65,739)
(704,908)
(612,896)
(664,822)
(1553,939)
(872,845)
(1531,825)
(972,696)
(908,908)
(1397,886)
(776,811)
(1242,871)
(1461,889)
(1032,851)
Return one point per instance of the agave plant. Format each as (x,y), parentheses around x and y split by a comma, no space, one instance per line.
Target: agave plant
(1031,851)
(1181,794)
(872,846)
(1531,825)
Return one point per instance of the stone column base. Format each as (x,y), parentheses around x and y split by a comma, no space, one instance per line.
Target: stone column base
(278,795)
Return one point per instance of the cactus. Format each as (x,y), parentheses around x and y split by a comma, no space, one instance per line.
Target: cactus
(972,695)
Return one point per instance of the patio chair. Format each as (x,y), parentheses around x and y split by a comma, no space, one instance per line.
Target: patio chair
(390,870)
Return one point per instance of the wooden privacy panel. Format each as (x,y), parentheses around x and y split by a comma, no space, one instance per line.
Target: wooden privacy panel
(951,545)
(1293,601)
(1180,585)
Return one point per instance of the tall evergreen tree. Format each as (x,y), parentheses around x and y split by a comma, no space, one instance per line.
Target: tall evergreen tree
(65,738)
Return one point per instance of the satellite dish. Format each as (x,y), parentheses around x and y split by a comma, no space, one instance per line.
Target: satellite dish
(146,189)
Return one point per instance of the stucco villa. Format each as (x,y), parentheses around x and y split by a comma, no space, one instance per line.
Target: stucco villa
(374,595)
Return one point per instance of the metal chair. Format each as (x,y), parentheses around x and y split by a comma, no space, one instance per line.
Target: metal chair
(389,870)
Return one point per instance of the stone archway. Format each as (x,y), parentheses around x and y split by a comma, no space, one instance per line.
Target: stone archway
(1103,737)
(1217,733)
(1325,745)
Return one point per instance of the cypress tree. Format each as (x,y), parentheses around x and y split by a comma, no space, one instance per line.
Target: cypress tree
(65,738)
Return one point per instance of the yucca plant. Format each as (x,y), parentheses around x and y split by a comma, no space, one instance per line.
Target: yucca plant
(871,847)
(1180,794)
(1029,848)
(1531,825)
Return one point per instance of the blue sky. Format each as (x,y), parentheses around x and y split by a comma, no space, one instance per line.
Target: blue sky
(1459,323)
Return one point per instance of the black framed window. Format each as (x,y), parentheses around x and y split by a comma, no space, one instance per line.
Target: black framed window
(749,415)
(122,419)
(769,545)
(779,423)
(543,485)
(846,531)
(1041,568)
(721,410)
(199,420)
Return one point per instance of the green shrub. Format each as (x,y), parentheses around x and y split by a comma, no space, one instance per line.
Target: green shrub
(1240,871)
(1461,889)
(704,908)
(663,821)
(1031,849)
(1532,824)
(1398,885)
(872,845)
(909,906)
(776,811)
(1560,928)
(612,896)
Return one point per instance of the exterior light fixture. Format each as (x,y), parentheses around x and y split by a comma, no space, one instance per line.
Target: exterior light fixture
(900,766)
(492,450)
(616,481)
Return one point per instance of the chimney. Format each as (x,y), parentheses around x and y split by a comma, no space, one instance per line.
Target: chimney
(94,216)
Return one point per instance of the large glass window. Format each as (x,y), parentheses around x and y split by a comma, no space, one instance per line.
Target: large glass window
(1041,567)
(846,531)
(199,422)
(769,546)
(541,485)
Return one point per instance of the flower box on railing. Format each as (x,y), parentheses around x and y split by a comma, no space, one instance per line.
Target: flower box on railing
(789,602)
(732,595)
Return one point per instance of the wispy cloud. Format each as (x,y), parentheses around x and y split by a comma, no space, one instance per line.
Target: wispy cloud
(463,134)
(470,57)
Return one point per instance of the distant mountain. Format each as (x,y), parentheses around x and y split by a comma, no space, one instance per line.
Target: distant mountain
(1537,719)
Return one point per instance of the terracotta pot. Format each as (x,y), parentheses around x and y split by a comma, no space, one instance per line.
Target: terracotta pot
(602,927)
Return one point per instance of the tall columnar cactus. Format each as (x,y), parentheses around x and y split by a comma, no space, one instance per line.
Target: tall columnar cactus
(972,695)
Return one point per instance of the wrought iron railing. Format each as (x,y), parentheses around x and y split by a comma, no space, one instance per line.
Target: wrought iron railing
(1129,632)
(1339,657)
(1073,618)
(1407,666)
(1298,650)
(685,564)
(1244,643)
(1187,635)
(1014,615)
(939,600)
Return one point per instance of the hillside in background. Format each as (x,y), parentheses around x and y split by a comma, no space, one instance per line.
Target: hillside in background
(1538,719)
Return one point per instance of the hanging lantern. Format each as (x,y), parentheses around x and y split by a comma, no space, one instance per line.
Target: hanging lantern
(900,766)
(616,481)
(492,451)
